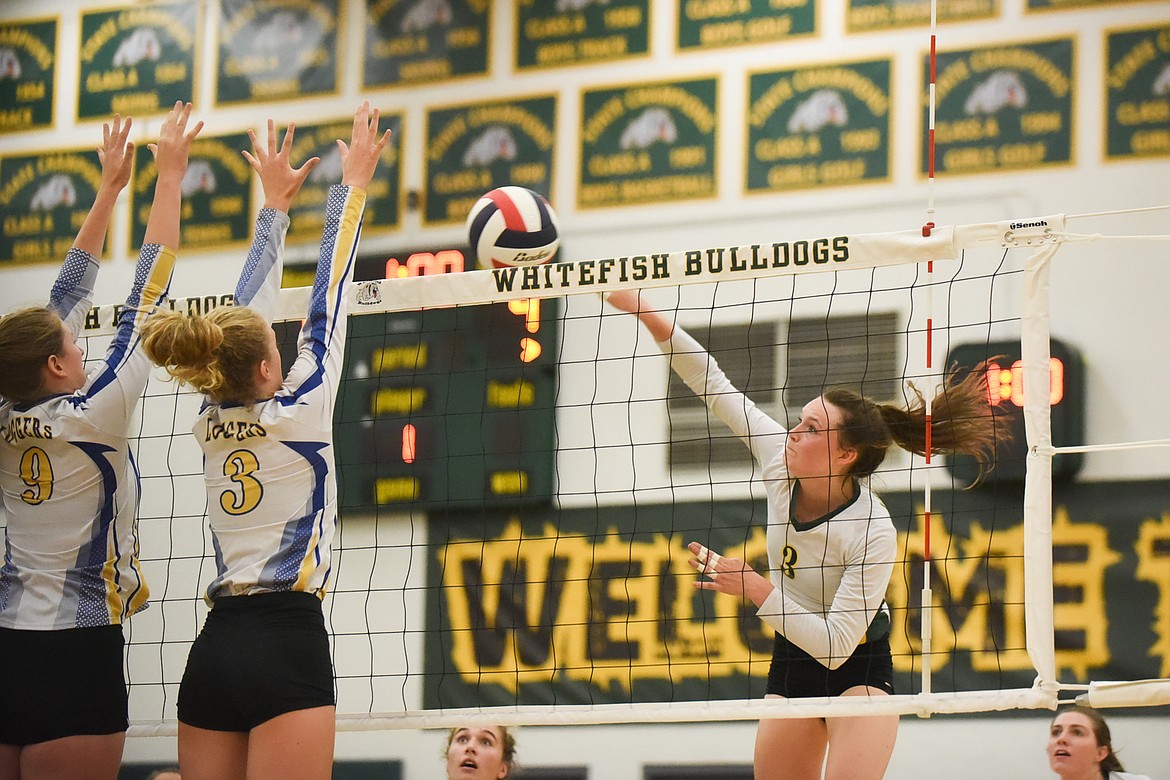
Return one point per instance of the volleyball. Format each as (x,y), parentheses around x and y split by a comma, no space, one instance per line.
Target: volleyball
(513,226)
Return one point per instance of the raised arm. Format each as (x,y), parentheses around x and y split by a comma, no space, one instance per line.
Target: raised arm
(699,370)
(116,155)
(114,388)
(259,284)
(632,302)
(321,346)
(71,293)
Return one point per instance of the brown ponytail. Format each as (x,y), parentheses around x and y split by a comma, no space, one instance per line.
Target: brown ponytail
(962,421)
(27,338)
(217,353)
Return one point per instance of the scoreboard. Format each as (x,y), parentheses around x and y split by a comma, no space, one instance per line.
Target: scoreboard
(1005,387)
(451,407)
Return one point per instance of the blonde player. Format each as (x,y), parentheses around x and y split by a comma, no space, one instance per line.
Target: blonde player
(831,548)
(71,575)
(256,698)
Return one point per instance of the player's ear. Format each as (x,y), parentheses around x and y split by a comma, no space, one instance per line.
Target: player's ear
(54,366)
(846,457)
(263,372)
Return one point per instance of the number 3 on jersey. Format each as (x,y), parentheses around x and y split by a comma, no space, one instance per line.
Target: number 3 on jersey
(37,472)
(788,567)
(239,468)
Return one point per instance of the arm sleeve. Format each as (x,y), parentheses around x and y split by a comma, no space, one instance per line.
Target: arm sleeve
(259,285)
(698,369)
(832,637)
(72,293)
(314,377)
(113,390)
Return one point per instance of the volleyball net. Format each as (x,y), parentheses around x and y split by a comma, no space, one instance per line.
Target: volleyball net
(519,476)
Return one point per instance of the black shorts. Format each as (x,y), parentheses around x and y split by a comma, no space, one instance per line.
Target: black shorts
(257,657)
(796,675)
(63,683)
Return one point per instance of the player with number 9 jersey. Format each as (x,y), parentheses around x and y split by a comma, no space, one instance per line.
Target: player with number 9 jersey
(70,486)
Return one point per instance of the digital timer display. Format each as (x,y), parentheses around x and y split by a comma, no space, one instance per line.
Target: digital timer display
(1005,393)
(451,407)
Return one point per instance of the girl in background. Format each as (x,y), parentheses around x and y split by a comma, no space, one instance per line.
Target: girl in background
(1080,747)
(256,698)
(71,574)
(480,753)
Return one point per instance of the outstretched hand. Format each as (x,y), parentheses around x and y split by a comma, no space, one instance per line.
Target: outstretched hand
(360,158)
(116,154)
(174,141)
(629,301)
(281,182)
(633,302)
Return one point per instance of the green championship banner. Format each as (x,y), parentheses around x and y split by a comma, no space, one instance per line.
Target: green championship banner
(413,43)
(867,15)
(707,23)
(575,32)
(820,125)
(44,199)
(648,143)
(137,60)
(27,74)
(1137,84)
(597,605)
(1002,108)
(277,50)
(218,207)
(383,200)
(475,148)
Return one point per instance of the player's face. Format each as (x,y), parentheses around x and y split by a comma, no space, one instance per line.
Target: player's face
(72,358)
(476,753)
(814,445)
(1072,745)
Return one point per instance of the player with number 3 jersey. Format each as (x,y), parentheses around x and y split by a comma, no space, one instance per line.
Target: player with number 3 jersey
(257,693)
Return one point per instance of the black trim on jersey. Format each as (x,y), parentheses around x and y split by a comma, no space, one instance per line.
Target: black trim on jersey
(799,526)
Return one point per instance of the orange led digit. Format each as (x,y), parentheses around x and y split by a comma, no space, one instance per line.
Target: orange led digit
(1006,393)
(445,261)
(529,350)
(409,443)
(1055,381)
(529,309)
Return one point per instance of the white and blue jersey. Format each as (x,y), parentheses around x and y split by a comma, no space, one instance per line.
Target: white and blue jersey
(830,575)
(69,481)
(269,466)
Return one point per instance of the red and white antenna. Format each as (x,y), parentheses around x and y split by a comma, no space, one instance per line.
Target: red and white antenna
(927,227)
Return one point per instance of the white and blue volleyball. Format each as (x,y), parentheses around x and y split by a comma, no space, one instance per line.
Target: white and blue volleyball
(513,226)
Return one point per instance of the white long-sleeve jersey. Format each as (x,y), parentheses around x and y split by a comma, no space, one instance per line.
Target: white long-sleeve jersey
(830,576)
(269,466)
(69,481)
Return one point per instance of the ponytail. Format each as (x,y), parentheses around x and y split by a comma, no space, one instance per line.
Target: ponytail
(216,353)
(962,421)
